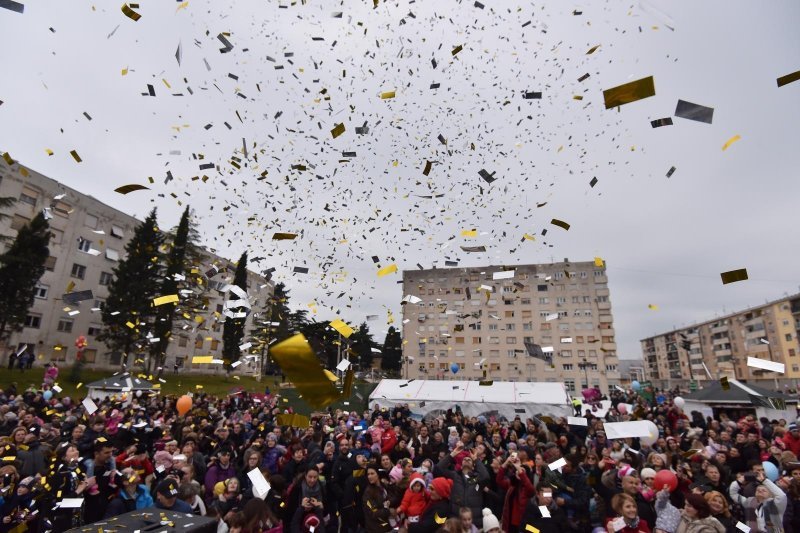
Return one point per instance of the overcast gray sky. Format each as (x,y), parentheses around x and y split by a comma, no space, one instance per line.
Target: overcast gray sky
(294,73)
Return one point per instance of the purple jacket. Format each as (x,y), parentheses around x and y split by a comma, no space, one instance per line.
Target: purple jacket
(216,474)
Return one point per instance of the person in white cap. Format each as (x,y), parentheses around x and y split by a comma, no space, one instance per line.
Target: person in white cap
(490,522)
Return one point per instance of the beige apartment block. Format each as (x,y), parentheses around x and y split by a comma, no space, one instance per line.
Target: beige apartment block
(486,320)
(89,238)
(720,347)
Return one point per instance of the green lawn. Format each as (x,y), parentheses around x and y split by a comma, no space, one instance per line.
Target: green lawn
(218,385)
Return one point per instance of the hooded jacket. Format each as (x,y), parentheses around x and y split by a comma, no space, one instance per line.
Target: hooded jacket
(414,503)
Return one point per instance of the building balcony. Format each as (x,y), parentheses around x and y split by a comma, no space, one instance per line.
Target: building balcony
(603,306)
(720,329)
(719,353)
(757,334)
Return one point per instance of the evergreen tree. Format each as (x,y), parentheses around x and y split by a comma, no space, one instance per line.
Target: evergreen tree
(21,267)
(361,344)
(273,324)
(233,329)
(129,311)
(392,351)
(165,314)
(324,340)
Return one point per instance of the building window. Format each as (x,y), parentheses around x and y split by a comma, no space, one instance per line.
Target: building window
(59,353)
(509,314)
(183,341)
(99,305)
(511,340)
(112,254)
(84,245)
(89,355)
(198,342)
(50,263)
(65,325)
(584,275)
(117,232)
(792,353)
(567,366)
(611,368)
(476,340)
(62,209)
(566,353)
(40,291)
(106,278)
(492,327)
(544,327)
(569,384)
(561,300)
(90,221)
(598,273)
(459,340)
(541,288)
(18,222)
(78,271)
(525,301)
(214,344)
(94,330)
(33,321)
(511,327)
(788,336)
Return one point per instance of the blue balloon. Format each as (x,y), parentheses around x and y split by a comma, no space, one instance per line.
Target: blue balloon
(636,386)
(454,368)
(47,395)
(771,470)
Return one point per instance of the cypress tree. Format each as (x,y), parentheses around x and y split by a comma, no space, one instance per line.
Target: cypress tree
(233,330)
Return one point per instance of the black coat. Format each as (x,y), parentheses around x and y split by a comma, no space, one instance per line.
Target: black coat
(434,517)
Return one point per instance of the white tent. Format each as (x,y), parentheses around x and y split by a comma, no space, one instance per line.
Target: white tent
(502,398)
(119,385)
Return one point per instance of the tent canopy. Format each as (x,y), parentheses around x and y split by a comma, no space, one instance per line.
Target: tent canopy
(737,393)
(737,397)
(502,398)
(121,382)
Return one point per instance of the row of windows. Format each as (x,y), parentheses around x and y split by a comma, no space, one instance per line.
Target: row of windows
(79,272)
(522,276)
(509,353)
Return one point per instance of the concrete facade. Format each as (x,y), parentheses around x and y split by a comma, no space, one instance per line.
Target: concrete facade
(723,344)
(486,325)
(89,238)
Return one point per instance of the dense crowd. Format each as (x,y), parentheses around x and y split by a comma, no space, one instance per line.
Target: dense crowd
(384,470)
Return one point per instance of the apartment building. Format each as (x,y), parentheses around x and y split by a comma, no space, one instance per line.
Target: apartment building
(491,321)
(720,347)
(88,240)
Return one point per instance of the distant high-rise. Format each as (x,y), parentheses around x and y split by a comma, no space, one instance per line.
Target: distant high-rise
(499,326)
(720,347)
(89,238)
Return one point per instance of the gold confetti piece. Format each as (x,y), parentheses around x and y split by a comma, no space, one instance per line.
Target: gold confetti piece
(577,97)
(789,78)
(469,233)
(294,420)
(130,324)
(198,387)
(733,276)
(385,271)
(169,299)
(283,236)
(652,307)
(629,92)
(528,237)
(75,156)
(166,83)
(560,224)
(342,327)
(79,385)
(730,141)
(125,189)
(202,359)
(48,151)
(337,130)
(8,159)
(125,71)
(593,49)
(301,366)
(457,49)
(130,13)
(387,95)
(182,5)
(598,262)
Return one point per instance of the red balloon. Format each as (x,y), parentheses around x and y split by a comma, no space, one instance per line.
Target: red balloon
(665,478)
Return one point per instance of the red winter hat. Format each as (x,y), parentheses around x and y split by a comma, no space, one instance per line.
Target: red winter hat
(442,486)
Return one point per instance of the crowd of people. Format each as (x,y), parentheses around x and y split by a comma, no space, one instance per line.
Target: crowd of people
(384,470)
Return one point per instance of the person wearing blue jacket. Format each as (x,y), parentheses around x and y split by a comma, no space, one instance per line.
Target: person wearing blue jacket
(132,496)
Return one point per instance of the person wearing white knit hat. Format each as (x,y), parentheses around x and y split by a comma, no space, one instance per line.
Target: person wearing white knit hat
(490,521)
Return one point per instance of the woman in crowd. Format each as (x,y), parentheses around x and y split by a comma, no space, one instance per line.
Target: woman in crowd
(694,518)
(375,504)
(626,519)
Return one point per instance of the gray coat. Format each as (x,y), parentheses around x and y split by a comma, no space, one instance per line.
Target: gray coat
(467,489)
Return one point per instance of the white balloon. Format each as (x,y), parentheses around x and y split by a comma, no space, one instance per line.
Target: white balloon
(652,435)
(679,402)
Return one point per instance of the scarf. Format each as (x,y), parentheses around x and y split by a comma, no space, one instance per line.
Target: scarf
(633,524)
(311,492)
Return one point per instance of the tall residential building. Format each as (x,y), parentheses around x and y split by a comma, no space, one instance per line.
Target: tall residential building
(720,347)
(89,238)
(489,322)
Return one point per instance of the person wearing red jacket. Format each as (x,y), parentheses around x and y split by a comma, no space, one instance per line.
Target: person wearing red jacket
(415,500)
(389,437)
(135,456)
(512,478)
(791,439)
